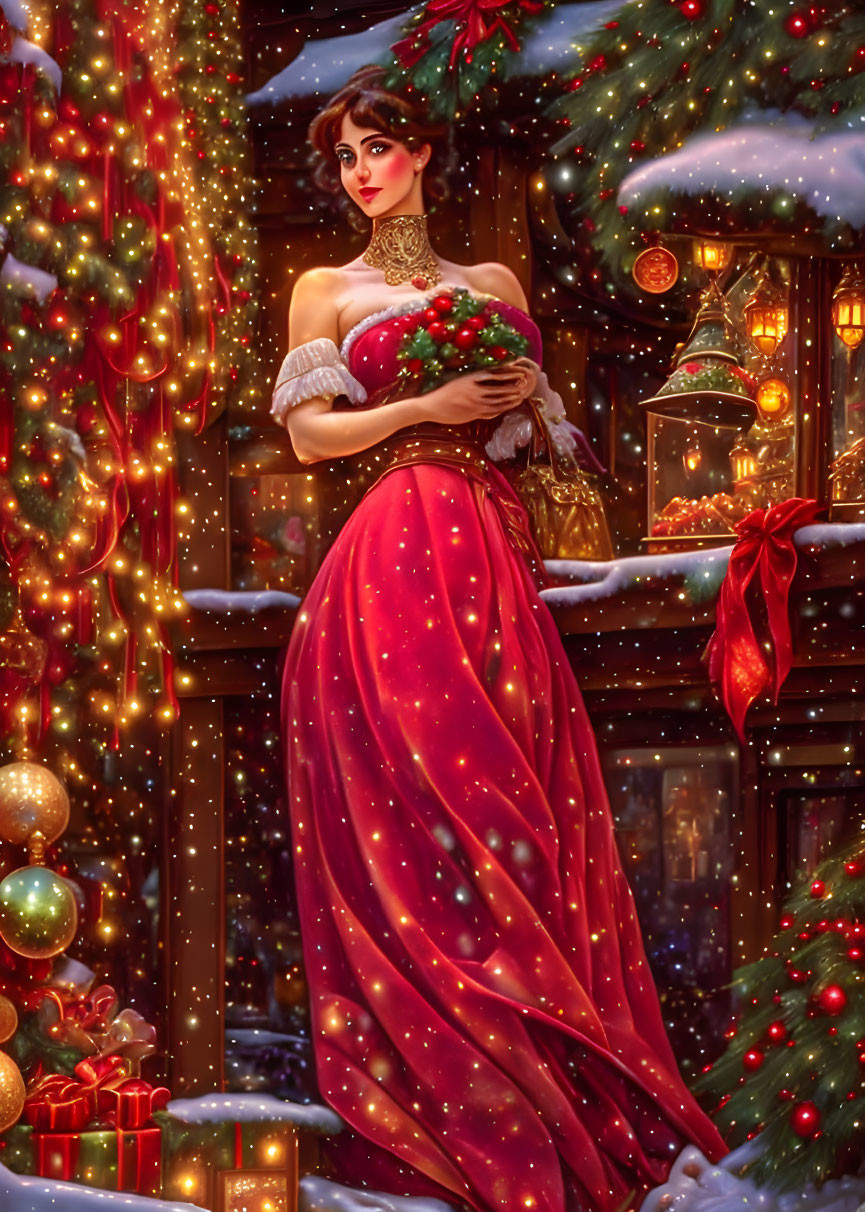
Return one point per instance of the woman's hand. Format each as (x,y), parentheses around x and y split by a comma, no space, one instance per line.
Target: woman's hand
(479,395)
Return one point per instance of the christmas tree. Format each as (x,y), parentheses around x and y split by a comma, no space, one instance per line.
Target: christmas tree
(794,1070)
(126,316)
(662,72)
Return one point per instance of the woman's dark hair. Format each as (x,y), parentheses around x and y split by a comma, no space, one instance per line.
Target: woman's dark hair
(367,101)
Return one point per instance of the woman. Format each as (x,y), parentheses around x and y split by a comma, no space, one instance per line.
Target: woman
(483,1014)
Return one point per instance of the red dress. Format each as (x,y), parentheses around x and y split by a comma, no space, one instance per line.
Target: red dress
(483,1014)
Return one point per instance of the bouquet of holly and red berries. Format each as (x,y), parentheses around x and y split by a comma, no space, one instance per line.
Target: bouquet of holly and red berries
(457,333)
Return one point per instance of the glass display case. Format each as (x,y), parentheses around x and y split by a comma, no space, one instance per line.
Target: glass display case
(721,430)
(673,810)
(847,472)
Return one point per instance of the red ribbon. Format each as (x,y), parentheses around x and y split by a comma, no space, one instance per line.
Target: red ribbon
(100,1087)
(752,646)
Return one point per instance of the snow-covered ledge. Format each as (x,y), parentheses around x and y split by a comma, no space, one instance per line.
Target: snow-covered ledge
(240,601)
(695,1185)
(25,1193)
(700,573)
(254,1109)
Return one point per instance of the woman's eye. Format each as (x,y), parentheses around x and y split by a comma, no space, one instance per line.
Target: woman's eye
(378,148)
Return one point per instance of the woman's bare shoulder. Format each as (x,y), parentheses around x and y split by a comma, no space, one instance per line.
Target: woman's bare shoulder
(314,310)
(493,278)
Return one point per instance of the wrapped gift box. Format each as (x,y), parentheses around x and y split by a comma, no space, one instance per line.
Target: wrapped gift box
(108,1158)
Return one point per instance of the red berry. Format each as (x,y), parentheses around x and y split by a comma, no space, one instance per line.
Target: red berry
(498,352)
(476,322)
(805,1119)
(818,889)
(415,365)
(785,1095)
(797,976)
(430,315)
(437,330)
(443,304)
(466,339)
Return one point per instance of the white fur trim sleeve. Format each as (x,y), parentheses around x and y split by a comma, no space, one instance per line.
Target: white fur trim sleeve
(515,428)
(313,369)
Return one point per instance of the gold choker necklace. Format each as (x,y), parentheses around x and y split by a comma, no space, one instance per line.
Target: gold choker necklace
(400,248)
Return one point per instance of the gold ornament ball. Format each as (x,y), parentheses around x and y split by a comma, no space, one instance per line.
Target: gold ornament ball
(11,1092)
(8,1019)
(38,914)
(31,799)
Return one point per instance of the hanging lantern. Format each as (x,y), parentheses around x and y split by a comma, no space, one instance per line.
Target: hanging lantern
(708,383)
(773,399)
(848,306)
(712,255)
(766,316)
(743,461)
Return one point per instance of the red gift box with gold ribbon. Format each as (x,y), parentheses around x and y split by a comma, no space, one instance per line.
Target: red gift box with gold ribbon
(94,1128)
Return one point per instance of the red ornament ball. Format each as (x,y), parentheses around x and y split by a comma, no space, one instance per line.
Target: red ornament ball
(797,976)
(832,999)
(805,1119)
(797,25)
(854,866)
(752,1060)
(787,921)
(854,954)
(818,889)
(777,1032)
(466,339)
(692,9)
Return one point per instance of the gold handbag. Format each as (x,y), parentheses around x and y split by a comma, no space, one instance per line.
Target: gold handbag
(565,508)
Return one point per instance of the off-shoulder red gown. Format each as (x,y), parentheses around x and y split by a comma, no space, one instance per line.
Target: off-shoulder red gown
(484,1017)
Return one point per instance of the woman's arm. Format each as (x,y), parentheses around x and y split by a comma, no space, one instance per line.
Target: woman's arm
(318,433)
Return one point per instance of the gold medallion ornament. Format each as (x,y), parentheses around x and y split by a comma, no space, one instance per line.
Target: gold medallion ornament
(400,248)
(655,270)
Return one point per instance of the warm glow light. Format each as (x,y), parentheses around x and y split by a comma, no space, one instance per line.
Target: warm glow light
(712,255)
(766,318)
(848,307)
(773,397)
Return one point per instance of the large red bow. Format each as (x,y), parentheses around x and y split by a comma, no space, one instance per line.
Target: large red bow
(475,20)
(763,559)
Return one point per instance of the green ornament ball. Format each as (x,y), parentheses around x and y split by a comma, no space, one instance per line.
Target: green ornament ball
(38,914)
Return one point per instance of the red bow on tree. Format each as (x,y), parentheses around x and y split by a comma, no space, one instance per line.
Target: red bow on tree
(752,624)
(475,20)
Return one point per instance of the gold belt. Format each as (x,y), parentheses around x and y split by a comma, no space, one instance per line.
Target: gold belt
(444,449)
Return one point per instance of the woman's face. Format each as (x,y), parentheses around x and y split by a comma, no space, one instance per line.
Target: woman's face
(379,174)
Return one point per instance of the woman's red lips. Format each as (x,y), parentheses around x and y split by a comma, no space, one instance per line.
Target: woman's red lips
(368,193)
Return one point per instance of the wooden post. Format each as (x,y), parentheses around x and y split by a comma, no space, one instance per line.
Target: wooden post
(811,322)
(194,901)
